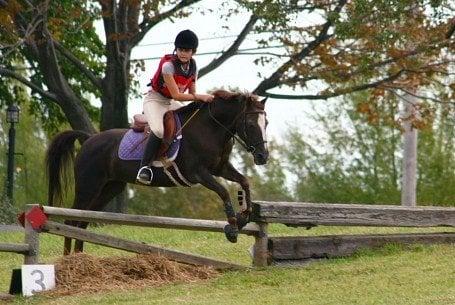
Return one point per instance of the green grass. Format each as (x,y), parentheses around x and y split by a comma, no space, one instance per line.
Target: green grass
(391,275)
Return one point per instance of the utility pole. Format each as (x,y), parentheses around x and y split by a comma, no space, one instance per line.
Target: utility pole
(409,179)
(10,170)
(12,117)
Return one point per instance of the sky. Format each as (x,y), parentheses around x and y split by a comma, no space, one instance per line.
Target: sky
(238,72)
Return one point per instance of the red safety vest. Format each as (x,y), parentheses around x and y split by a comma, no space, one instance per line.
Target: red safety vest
(182,79)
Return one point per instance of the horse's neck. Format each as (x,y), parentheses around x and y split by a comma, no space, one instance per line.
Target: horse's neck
(224,112)
(210,126)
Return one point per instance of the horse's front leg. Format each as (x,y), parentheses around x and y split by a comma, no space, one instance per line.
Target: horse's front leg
(231,230)
(230,173)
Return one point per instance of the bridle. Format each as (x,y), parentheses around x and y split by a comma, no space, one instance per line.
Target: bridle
(251,148)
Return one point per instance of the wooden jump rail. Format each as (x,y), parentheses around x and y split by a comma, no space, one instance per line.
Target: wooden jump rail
(314,214)
(15,248)
(56,228)
(331,214)
(145,221)
(131,246)
(265,249)
(294,248)
(29,248)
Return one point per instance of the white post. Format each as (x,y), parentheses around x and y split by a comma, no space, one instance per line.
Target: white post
(409,179)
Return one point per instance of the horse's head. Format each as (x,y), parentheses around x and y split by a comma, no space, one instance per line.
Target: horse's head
(250,123)
(252,128)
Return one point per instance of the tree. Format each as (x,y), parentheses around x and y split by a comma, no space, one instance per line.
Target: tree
(68,62)
(29,181)
(436,159)
(345,40)
(355,155)
(352,159)
(358,45)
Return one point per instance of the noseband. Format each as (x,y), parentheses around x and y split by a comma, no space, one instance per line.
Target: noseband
(251,148)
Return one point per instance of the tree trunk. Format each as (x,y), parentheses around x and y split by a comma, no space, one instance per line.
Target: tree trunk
(114,112)
(56,82)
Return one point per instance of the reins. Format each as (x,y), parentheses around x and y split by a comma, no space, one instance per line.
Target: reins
(250,148)
(187,121)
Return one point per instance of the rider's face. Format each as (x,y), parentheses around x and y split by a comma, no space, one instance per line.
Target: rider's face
(184,54)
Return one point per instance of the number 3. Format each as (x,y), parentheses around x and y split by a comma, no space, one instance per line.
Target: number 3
(39,281)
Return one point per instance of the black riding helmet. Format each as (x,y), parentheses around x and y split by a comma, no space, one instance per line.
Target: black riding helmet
(186,40)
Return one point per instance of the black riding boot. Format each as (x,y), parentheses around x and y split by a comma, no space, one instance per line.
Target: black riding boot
(145,174)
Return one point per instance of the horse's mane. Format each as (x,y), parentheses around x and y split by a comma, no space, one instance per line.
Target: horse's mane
(237,95)
(226,96)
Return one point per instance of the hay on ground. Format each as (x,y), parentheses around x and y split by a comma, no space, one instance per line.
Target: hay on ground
(81,272)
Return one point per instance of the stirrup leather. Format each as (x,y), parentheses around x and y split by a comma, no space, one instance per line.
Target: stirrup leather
(139,179)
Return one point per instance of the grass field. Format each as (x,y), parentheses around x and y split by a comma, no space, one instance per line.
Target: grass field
(391,275)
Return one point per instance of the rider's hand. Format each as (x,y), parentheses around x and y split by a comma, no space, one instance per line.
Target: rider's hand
(206,98)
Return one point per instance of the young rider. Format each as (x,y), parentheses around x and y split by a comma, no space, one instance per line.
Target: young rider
(176,74)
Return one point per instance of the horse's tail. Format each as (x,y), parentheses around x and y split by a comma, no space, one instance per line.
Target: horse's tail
(59,156)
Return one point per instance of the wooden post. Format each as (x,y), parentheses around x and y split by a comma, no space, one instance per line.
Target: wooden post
(32,239)
(260,247)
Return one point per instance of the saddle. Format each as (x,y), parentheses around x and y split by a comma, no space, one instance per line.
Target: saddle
(170,129)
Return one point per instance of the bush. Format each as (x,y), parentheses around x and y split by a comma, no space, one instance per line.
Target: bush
(8,212)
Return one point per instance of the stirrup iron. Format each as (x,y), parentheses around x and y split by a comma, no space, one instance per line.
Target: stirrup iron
(146,182)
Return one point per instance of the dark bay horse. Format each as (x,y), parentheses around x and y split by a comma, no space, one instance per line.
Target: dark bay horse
(207,142)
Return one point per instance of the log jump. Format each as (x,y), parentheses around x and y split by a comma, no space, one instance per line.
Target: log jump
(298,214)
(266,250)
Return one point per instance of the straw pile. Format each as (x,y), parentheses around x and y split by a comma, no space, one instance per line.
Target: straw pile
(82,273)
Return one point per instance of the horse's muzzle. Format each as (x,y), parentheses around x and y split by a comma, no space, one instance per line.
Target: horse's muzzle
(261,158)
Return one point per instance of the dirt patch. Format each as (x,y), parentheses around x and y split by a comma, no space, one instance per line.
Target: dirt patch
(82,273)
(6,297)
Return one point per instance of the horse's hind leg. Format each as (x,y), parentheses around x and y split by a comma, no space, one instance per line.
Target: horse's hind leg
(86,190)
(68,241)
(109,191)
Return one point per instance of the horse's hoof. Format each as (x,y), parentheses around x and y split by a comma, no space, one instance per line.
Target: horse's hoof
(231,233)
(242,220)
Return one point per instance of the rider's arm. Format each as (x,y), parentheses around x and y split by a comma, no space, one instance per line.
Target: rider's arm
(174,90)
(178,96)
(192,88)
(199,97)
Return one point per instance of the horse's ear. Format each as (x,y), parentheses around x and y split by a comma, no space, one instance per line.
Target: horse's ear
(264,100)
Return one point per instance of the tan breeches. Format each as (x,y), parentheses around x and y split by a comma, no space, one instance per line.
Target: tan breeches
(155,106)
